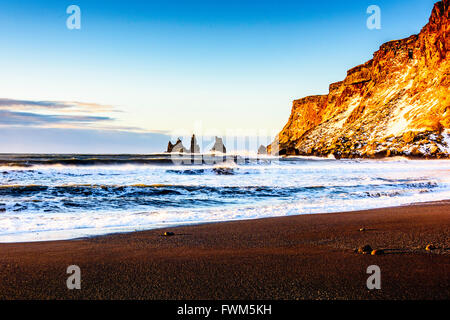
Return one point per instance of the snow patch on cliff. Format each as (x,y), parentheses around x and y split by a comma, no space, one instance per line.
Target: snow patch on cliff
(445,147)
(352,105)
(398,124)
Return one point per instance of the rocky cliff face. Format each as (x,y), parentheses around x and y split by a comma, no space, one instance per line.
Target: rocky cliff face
(398,103)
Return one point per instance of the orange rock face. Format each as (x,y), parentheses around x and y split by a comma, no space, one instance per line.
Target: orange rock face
(398,103)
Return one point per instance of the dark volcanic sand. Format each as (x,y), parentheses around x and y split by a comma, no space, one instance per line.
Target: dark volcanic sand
(300,257)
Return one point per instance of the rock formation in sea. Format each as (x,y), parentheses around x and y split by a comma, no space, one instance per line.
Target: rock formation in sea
(219,146)
(398,103)
(169,147)
(194,146)
(262,150)
(177,147)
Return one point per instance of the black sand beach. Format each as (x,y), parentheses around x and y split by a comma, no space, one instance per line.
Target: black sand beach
(298,257)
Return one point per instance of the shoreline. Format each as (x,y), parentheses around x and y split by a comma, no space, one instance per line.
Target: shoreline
(195,224)
(294,257)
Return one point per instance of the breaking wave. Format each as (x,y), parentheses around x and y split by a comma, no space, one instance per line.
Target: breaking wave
(44,199)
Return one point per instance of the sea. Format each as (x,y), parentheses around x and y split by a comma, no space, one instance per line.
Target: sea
(55,197)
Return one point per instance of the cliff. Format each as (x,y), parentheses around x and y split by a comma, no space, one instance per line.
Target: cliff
(398,103)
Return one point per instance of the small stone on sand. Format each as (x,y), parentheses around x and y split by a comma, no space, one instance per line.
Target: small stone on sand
(377,252)
(365,250)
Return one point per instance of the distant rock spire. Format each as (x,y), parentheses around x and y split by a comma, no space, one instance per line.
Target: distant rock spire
(262,150)
(177,147)
(219,146)
(169,147)
(194,146)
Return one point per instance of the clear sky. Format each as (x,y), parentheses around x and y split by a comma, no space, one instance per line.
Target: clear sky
(140,72)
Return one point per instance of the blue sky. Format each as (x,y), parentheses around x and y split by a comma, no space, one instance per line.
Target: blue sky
(164,68)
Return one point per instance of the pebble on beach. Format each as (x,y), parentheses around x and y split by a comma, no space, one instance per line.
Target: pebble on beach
(365,250)
(377,252)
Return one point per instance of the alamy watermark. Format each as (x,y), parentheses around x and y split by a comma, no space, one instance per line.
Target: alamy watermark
(74,19)
(74,280)
(374,20)
(209,146)
(374,281)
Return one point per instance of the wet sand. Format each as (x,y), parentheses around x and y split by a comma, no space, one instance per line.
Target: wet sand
(299,257)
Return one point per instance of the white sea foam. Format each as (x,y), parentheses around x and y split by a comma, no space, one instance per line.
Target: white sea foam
(51,203)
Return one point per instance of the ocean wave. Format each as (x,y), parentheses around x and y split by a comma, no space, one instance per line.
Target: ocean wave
(122,197)
(56,198)
(26,161)
(216,171)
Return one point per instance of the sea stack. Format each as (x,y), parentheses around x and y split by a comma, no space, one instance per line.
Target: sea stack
(219,146)
(169,147)
(396,104)
(194,146)
(177,147)
(262,150)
